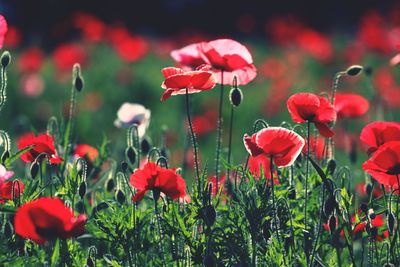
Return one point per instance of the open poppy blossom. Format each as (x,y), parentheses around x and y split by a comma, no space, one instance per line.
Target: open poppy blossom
(7,188)
(43,143)
(312,108)
(153,177)
(189,55)
(86,151)
(260,164)
(47,218)
(281,144)
(378,133)
(177,81)
(348,105)
(231,57)
(384,165)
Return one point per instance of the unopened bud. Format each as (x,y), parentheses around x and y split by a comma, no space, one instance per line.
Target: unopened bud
(332,223)
(5,156)
(77,78)
(5,59)
(331,166)
(364,207)
(329,205)
(145,146)
(110,184)
(371,214)
(82,189)
(131,154)
(124,166)
(120,196)
(210,215)
(236,96)
(354,70)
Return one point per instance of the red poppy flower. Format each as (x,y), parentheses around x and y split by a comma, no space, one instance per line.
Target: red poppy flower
(279,143)
(47,218)
(378,133)
(310,107)
(316,44)
(362,190)
(154,177)
(92,28)
(84,150)
(317,147)
(205,123)
(177,80)
(261,164)
(188,56)
(131,48)
(3,29)
(12,38)
(43,143)
(384,165)
(6,189)
(66,55)
(230,57)
(348,105)
(31,60)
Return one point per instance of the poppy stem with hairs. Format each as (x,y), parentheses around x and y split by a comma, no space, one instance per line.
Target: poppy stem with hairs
(196,161)
(230,145)
(306,189)
(156,195)
(219,131)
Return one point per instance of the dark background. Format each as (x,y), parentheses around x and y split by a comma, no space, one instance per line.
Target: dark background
(43,18)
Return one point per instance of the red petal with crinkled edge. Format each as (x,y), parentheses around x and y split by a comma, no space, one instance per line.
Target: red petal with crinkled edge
(244,75)
(281,144)
(303,106)
(203,80)
(378,133)
(324,129)
(326,112)
(251,146)
(167,72)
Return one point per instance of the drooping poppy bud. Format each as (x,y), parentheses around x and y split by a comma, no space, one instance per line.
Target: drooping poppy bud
(331,166)
(5,59)
(332,223)
(34,169)
(82,189)
(120,196)
(354,70)
(131,154)
(235,96)
(110,184)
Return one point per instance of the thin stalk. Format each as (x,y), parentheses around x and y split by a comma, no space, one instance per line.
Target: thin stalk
(157,213)
(219,131)
(306,188)
(230,144)
(196,161)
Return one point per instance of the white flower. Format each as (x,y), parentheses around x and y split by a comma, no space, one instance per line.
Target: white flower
(130,113)
(4,174)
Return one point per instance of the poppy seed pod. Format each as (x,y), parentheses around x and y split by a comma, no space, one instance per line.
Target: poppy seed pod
(131,154)
(354,70)
(82,189)
(5,59)
(34,169)
(235,96)
(391,222)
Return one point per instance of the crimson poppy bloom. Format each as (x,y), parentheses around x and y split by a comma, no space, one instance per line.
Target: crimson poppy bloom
(43,143)
(66,55)
(85,150)
(349,105)
(378,133)
(279,143)
(177,81)
(154,177)
(205,123)
(312,108)
(6,189)
(92,28)
(3,30)
(317,147)
(47,218)
(230,57)
(260,164)
(384,165)
(189,55)
(30,60)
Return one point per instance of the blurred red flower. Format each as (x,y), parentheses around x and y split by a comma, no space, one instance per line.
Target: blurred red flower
(316,44)
(310,107)
(279,143)
(349,105)
(177,80)
(30,60)
(66,55)
(47,218)
(12,38)
(189,55)
(230,57)
(131,48)
(6,189)
(205,123)
(153,177)
(43,143)
(221,182)
(384,165)
(317,146)
(378,133)
(3,30)
(86,151)
(373,32)
(92,28)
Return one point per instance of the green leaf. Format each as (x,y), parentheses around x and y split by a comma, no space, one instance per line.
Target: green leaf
(56,253)
(321,174)
(14,157)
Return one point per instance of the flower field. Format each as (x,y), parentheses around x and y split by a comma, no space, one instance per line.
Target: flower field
(126,149)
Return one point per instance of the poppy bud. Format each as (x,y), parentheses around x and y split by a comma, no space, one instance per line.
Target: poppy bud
(89,262)
(110,184)
(210,215)
(5,156)
(368,189)
(80,207)
(34,169)
(130,154)
(77,81)
(145,146)
(124,166)
(99,207)
(332,223)
(354,70)
(235,96)
(120,196)
(364,207)
(209,260)
(371,214)
(291,192)
(329,205)
(392,223)
(331,166)
(5,59)
(82,189)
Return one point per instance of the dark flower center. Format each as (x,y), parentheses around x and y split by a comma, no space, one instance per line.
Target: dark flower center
(394,170)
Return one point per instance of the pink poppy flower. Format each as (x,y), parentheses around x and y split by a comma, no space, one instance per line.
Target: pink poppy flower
(130,113)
